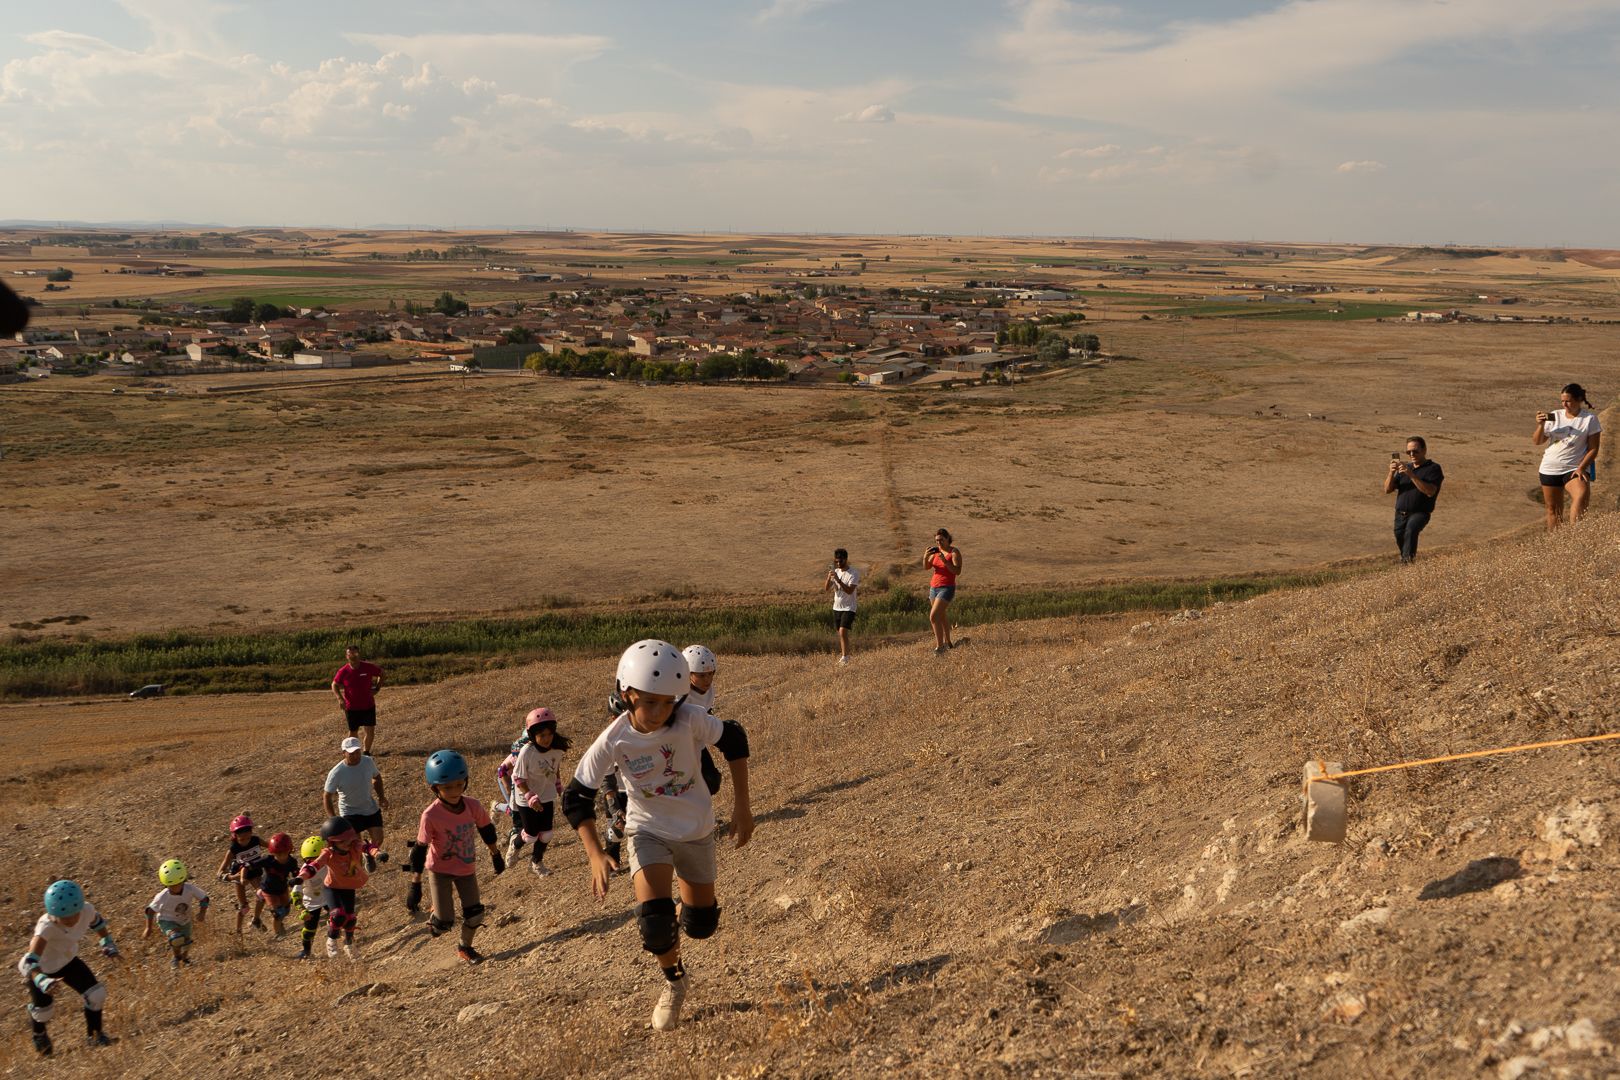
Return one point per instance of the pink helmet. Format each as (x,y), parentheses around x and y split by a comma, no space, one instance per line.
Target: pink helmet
(240,822)
(537,717)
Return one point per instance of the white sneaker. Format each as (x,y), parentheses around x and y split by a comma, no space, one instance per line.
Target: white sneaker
(331,947)
(667,1013)
(539,869)
(843,661)
(348,950)
(512,847)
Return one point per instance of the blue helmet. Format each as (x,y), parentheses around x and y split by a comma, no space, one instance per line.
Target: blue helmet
(445,767)
(64,899)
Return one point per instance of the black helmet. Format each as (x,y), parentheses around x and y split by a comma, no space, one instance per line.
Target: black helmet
(337,828)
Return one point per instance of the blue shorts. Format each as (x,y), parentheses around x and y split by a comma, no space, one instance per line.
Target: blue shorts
(942,592)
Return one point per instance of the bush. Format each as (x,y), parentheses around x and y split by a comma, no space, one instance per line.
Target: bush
(61,273)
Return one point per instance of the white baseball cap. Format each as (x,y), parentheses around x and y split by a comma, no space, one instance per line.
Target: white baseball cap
(351,744)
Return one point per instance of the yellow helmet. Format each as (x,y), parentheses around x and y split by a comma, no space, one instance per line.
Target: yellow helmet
(172,872)
(312,847)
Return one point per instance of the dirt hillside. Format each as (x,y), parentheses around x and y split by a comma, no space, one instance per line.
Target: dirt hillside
(1064,849)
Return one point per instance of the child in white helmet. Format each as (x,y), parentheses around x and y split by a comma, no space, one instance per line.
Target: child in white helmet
(172,910)
(654,746)
(309,895)
(53,958)
(700,660)
(536,784)
(447,848)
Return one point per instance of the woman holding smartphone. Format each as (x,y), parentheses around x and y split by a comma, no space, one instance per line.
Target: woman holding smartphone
(1571,434)
(946,562)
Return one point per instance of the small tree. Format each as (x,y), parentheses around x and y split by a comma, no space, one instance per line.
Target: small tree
(286,348)
(61,273)
(1053,350)
(240,311)
(447,304)
(268,313)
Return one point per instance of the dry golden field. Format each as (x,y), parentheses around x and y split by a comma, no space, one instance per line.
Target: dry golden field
(1219,447)
(1064,849)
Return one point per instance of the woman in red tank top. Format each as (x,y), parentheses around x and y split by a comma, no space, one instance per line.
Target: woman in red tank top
(946,562)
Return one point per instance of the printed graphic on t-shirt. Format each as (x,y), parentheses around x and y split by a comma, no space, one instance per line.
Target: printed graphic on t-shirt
(463,843)
(671,781)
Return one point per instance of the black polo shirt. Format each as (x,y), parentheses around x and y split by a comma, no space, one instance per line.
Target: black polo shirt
(1408,498)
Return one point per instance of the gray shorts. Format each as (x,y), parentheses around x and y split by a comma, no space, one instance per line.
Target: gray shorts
(693,860)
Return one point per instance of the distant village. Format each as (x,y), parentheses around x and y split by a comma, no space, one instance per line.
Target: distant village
(797,330)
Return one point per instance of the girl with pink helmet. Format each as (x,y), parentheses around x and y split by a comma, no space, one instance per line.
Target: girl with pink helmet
(246,848)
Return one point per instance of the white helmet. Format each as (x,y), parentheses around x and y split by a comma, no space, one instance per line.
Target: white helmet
(655,667)
(698,658)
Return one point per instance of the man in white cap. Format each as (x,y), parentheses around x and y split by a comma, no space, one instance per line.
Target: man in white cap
(354,791)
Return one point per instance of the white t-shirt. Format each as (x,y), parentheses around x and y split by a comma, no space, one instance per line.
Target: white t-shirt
(62,940)
(845,601)
(179,907)
(537,769)
(704,701)
(659,770)
(1569,436)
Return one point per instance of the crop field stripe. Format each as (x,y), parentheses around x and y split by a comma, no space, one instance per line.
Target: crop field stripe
(197,662)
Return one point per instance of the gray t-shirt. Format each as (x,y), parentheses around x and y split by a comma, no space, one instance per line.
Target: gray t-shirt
(352,783)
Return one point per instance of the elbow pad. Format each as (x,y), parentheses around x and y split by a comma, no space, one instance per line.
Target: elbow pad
(579,803)
(100,925)
(733,741)
(486,833)
(418,857)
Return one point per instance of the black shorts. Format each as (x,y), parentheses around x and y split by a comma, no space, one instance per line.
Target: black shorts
(535,821)
(1557,480)
(362,822)
(843,620)
(359,718)
(76,973)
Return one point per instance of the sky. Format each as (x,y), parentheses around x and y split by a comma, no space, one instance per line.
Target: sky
(1370,121)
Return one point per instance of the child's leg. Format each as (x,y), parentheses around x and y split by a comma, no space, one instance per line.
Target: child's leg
(312,919)
(78,975)
(472,908)
(655,914)
(443,915)
(241,905)
(541,831)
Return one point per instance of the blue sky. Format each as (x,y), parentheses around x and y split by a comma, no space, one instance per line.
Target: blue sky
(1479,121)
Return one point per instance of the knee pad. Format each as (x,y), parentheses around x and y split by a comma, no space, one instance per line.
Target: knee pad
(437,926)
(656,921)
(280,910)
(473,915)
(700,922)
(529,837)
(180,937)
(95,997)
(41,1014)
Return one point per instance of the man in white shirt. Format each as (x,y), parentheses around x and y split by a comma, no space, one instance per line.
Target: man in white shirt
(842,580)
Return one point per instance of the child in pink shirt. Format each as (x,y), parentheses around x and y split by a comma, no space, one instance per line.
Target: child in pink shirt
(344,860)
(447,847)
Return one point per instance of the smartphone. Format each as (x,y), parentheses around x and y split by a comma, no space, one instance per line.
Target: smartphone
(1395,455)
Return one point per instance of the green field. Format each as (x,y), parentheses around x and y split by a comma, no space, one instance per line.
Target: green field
(339,271)
(193,663)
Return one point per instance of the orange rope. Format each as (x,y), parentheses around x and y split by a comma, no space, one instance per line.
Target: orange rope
(1461,757)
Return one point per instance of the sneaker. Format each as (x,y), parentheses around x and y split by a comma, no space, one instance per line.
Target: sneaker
(843,661)
(469,954)
(98,1038)
(371,862)
(331,947)
(185,957)
(514,843)
(258,923)
(42,1043)
(303,954)
(667,1013)
(174,962)
(539,869)
(348,951)
(939,650)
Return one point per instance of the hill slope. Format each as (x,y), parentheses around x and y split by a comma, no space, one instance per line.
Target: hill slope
(1066,846)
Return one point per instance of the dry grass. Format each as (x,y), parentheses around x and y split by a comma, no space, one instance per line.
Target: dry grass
(1063,847)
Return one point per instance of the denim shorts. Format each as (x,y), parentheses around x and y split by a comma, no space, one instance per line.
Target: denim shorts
(942,592)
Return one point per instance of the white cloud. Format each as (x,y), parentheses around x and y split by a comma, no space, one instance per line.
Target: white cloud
(872,114)
(1361,166)
(1105,150)
(532,64)
(791,9)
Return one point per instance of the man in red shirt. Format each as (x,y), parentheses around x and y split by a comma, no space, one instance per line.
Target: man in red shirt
(356,684)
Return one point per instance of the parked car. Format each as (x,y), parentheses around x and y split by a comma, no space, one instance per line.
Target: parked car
(149,690)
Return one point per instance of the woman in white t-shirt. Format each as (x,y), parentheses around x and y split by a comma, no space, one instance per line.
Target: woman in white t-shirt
(1571,434)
